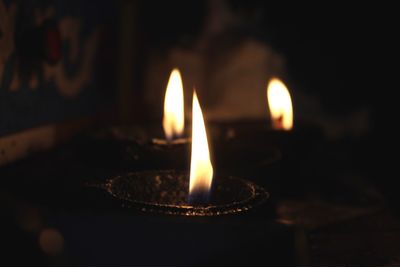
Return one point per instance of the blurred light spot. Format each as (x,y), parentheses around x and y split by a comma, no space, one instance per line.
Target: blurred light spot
(29,219)
(51,241)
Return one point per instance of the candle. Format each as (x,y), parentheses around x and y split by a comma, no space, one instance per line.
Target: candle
(177,193)
(174,115)
(146,146)
(172,151)
(265,149)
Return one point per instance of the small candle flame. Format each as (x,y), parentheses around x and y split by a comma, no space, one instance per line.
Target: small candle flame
(201,170)
(280,105)
(174,118)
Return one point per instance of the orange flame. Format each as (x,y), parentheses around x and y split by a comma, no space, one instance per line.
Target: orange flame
(201,170)
(280,105)
(174,120)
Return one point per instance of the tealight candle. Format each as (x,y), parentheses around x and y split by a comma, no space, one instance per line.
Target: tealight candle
(146,147)
(174,115)
(171,192)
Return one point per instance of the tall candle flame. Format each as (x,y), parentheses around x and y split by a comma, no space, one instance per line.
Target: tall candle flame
(201,170)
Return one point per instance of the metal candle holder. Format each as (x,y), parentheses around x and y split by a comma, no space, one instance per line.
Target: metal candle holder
(166,192)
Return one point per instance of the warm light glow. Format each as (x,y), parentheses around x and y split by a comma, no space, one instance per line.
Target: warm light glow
(201,170)
(280,105)
(174,117)
(51,241)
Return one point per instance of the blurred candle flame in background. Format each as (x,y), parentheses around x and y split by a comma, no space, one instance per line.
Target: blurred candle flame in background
(174,117)
(280,105)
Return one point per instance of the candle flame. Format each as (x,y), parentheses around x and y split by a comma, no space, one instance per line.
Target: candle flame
(201,170)
(280,105)
(174,120)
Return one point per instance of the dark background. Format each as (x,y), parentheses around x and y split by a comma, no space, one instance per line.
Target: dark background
(339,53)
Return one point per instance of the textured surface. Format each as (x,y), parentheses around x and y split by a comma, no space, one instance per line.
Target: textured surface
(166,192)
